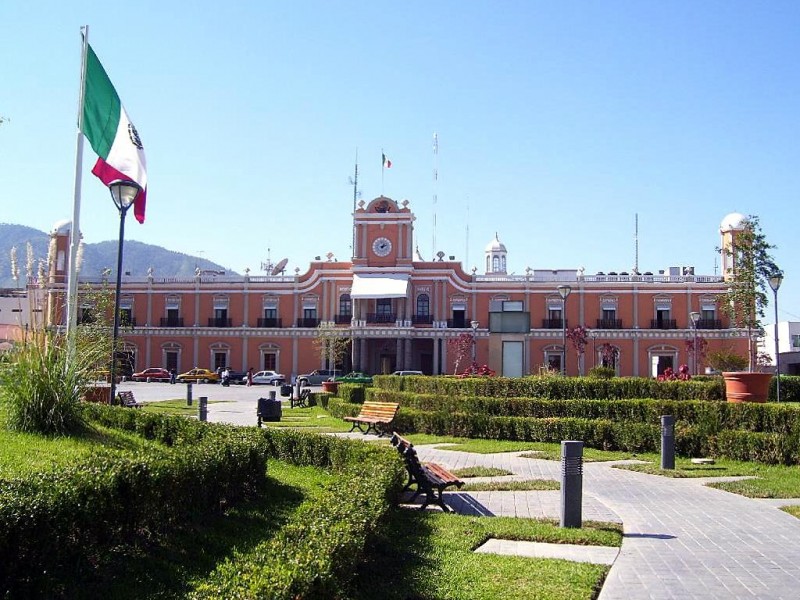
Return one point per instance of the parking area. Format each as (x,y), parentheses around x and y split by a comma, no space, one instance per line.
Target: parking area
(235,404)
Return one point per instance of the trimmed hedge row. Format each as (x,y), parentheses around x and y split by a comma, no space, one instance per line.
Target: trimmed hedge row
(56,529)
(60,526)
(557,388)
(703,437)
(783,419)
(316,554)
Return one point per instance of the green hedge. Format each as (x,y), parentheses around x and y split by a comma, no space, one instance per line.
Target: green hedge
(316,555)
(557,388)
(60,526)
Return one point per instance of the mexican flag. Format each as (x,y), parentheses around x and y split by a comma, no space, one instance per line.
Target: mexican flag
(387,164)
(110,132)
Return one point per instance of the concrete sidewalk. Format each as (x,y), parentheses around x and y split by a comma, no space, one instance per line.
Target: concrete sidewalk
(682,540)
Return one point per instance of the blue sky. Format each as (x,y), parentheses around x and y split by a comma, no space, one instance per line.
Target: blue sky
(558,122)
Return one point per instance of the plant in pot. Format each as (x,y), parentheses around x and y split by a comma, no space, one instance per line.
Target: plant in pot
(750,267)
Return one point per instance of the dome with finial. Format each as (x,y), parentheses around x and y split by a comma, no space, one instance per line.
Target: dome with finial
(495,245)
(61,227)
(495,256)
(733,222)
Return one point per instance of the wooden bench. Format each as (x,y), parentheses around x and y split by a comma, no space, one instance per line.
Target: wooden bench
(126,399)
(429,478)
(377,416)
(302,400)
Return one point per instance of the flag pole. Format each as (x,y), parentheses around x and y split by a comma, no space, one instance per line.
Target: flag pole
(75,232)
(383,167)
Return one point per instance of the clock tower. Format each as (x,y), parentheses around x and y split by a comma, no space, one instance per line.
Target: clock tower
(383,233)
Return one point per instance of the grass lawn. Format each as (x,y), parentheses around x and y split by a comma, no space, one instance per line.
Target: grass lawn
(771,481)
(176,407)
(430,555)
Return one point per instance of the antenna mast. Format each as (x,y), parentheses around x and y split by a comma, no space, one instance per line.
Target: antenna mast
(435,186)
(355,198)
(636,244)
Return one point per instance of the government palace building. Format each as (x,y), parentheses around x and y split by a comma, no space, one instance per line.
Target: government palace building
(400,312)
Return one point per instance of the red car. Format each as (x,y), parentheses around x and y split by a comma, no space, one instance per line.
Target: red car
(153,374)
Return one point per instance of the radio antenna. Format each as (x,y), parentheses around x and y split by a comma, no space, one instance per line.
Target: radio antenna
(435,186)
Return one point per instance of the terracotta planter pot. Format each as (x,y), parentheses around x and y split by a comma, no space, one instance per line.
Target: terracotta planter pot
(97,393)
(330,386)
(741,386)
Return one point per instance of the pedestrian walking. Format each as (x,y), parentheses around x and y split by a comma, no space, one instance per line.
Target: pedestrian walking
(249,376)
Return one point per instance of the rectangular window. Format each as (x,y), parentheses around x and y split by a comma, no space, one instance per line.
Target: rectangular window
(796,341)
(270,313)
(270,361)
(512,306)
(310,313)
(383,306)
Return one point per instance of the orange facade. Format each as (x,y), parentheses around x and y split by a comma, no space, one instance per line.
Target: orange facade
(397,312)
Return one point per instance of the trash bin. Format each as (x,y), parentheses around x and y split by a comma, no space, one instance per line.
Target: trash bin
(268,410)
(286,390)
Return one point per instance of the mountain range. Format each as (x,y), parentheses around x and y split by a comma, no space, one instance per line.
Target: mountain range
(136,259)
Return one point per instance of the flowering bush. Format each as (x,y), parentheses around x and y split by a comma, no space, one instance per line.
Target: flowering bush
(670,375)
(475,371)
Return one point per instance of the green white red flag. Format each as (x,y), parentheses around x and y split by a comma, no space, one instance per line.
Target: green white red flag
(111,134)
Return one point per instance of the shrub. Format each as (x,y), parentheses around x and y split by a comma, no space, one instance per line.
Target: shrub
(42,387)
(726,360)
(601,373)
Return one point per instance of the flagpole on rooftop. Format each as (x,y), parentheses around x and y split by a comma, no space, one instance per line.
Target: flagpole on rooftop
(383,168)
(75,231)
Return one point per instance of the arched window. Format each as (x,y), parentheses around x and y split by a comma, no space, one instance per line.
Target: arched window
(345,306)
(495,263)
(423,305)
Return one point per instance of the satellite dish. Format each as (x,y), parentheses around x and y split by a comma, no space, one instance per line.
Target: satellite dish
(278,269)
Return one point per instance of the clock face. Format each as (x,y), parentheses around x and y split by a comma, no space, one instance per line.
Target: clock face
(381,246)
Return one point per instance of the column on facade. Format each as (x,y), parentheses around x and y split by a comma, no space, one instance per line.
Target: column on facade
(407,358)
(362,358)
(399,354)
(444,356)
(355,345)
(436,356)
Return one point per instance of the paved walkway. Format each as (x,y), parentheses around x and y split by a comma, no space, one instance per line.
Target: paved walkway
(682,540)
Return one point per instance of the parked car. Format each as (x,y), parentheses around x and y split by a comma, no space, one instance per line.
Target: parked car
(201,375)
(153,374)
(354,377)
(315,377)
(408,373)
(268,378)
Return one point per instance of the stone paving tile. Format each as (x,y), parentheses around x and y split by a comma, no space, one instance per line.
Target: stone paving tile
(682,539)
(600,555)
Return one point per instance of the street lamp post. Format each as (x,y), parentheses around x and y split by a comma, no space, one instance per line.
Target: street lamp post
(564,291)
(123,193)
(694,317)
(775,282)
(474,325)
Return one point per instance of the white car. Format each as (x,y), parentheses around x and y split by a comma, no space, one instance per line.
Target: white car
(268,378)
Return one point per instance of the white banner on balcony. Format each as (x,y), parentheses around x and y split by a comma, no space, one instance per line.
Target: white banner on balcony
(380,286)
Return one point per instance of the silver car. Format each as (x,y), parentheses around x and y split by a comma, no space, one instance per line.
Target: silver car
(268,378)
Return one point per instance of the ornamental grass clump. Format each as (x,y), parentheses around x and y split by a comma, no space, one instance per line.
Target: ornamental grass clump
(41,388)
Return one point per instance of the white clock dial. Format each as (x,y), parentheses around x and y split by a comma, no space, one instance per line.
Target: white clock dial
(381,246)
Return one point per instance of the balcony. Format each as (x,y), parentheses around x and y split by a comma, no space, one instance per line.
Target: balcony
(343,319)
(663,324)
(219,322)
(609,323)
(307,322)
(171,322)
(269,322)
(709,324)
(555,323)
(381,317)
(422,319)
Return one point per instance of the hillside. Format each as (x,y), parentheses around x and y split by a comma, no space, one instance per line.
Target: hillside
(137,258)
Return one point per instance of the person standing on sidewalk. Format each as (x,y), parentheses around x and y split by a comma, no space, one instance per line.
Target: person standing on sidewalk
(249,376)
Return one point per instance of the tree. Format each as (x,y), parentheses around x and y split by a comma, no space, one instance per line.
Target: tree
(461,346)
(331,346)
(752,265)
(579,336)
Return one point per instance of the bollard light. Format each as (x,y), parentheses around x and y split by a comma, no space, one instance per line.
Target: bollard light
(667,442)
(695,318)
(571,483)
